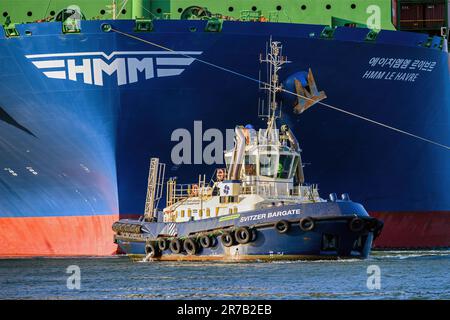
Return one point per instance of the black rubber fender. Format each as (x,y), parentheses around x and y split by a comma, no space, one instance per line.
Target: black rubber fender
(372,224)
(243,235)
(227,239)
(116,226)
(163,244)
(190,246)
(206,241)
(175,246)
(282,226)
(378,229)
(152,250)
(307,224)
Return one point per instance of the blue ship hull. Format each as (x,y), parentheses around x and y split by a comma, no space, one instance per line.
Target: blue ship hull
(77,145)
(266,243)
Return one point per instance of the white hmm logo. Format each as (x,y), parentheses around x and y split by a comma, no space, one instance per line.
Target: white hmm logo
(374,277)
(126,65)
(74,280)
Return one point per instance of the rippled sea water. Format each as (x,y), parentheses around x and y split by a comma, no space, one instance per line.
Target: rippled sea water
(404,275)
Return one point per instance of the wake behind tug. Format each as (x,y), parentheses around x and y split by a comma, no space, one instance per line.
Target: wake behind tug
(258,208)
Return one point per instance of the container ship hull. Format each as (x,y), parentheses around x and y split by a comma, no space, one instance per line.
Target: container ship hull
(80,115)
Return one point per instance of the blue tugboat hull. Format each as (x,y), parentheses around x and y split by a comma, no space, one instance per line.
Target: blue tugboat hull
(331,223)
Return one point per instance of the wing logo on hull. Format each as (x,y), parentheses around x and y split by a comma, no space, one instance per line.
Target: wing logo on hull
(126,66)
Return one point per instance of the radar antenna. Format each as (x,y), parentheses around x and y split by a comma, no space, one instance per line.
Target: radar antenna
(275,61)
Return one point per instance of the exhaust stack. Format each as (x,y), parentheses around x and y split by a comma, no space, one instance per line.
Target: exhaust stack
(238,155)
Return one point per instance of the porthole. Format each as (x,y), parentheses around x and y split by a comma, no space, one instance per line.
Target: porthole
(254,8)
(353,6)
(29,13)
(303,7)
(231,9)
(5,14)
(278,8)
(102,12)
(159,10)
(180,10)
(124,11)
(52,13)
(328,6)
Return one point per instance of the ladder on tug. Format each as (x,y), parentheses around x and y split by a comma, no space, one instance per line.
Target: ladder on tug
(155,187)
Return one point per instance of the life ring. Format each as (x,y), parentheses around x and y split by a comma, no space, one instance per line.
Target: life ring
(175,245)
(151,250)
(206,241)
(307,224)
(282,226)
(220,174)
(190,246)
(194,190)
(243,235)
(227,239)
(162,244)
(356,224)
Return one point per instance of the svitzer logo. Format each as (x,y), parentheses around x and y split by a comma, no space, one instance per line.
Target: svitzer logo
(127,66)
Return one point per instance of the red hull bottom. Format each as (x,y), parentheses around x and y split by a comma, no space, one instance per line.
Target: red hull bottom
(93,236)
(413,230)
(58,236)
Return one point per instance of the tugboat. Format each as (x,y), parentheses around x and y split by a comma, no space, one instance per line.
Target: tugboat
(257,208)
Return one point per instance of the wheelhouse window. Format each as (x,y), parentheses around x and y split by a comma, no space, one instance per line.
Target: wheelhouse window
(294,167)
(284,166)
(267,163)
(250,165)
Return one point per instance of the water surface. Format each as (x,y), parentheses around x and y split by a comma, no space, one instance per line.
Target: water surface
(404,275)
